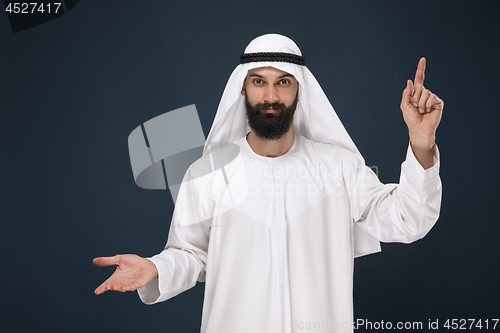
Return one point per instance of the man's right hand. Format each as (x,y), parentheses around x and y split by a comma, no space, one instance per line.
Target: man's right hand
(132,272)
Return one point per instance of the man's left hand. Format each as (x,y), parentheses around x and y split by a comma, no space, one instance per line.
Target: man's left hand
(422,112)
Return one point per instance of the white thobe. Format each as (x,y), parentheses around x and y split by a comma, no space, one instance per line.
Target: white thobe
(273,237)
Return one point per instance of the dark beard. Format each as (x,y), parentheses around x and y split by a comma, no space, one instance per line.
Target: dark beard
(270,126)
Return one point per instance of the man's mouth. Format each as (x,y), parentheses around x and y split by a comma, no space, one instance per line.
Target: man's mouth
(270,111)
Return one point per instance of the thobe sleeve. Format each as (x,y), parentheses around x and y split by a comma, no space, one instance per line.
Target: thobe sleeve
(183,260)
(402,212)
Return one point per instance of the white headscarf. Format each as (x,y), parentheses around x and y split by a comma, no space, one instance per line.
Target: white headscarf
(314,117)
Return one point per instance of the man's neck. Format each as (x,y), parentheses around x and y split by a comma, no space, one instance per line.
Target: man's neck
(270,148)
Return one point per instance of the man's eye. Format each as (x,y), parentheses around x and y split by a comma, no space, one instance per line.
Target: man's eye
(257,81)
(283,82)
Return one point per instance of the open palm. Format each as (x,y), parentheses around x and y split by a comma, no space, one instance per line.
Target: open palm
(132,272)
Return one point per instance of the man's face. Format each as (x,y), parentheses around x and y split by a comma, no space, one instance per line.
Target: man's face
(271,97)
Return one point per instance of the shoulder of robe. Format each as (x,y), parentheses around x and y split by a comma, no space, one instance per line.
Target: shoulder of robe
(338,159)
(330,153)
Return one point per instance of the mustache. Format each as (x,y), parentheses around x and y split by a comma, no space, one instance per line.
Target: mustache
(274,106)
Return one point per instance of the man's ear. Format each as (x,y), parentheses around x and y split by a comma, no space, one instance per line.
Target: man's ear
(243,87)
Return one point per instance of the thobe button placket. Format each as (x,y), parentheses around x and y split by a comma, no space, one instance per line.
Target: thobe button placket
(279,194)
(279,223)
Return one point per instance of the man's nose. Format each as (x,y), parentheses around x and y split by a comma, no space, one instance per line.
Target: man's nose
(271,95)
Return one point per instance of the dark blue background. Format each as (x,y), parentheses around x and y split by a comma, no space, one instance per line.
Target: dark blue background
(72,90)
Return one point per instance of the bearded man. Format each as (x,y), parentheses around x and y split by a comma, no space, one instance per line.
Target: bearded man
(274,228)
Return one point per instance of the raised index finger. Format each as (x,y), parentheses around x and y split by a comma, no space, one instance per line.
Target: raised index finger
(420,74)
